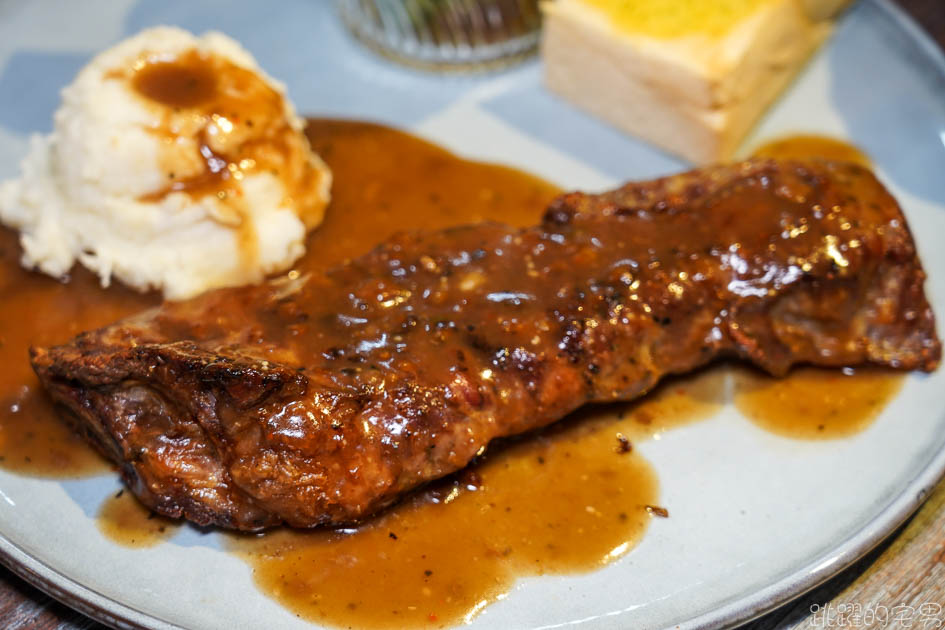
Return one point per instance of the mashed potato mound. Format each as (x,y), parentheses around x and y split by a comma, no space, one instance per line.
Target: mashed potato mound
(175,164)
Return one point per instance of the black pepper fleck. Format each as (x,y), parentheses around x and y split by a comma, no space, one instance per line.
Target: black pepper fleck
(623,444)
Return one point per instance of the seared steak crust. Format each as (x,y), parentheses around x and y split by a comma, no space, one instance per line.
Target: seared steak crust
(320,399)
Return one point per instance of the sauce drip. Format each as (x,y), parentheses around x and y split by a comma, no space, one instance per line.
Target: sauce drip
(806,146)
(124,520)
(220,124)
(815,403)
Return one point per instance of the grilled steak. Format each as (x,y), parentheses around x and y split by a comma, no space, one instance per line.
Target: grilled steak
(320,399)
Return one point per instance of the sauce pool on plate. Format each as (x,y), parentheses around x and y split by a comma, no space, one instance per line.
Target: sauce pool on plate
(815,403)
(36,309)
(805,146)
(124,520)
(569,499)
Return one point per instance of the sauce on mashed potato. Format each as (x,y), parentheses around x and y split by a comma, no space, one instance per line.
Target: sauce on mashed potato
(175,164)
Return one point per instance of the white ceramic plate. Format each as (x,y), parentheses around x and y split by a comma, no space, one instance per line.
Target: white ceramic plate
(757,519)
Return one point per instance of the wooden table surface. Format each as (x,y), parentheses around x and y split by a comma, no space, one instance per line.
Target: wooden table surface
(901,584)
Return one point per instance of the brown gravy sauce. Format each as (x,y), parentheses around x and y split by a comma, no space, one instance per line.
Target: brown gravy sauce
(124,520)
(35,441)
(184,82)
(815,403)
(241,128)
(568,499)
(387,181)
(557,503)
(802,146)
(36,309)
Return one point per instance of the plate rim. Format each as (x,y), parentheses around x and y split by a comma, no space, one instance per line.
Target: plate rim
(74,594)
(115,614)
